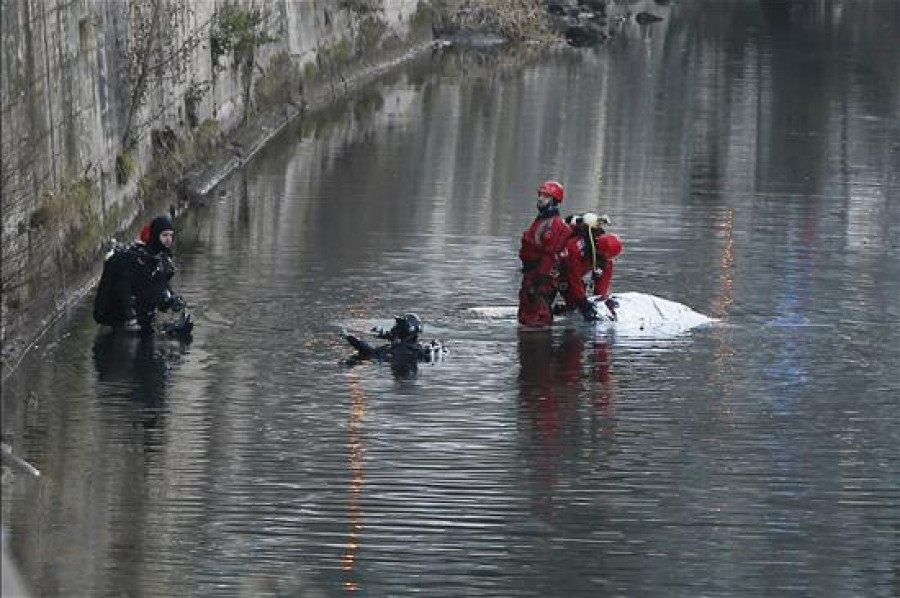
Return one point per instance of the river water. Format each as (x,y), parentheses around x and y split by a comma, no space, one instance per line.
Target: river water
(750,160)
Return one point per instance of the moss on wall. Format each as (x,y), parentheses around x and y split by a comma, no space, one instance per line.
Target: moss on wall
(240,31)
(370,33)
(334,56)
(125,167)
(69,218)
(207,136)
(423,19)
(281,83)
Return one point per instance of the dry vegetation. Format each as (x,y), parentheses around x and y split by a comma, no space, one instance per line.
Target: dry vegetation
(515,20)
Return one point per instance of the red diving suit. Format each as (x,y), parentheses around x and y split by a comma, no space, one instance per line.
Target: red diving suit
(546,256)
(592,251)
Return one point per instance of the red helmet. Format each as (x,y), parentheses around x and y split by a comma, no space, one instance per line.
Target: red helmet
(609,245)
(144,236)
(553,189)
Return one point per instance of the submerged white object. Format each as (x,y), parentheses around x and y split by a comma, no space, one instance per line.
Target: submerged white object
(496,311)
(640,312)
(637,314)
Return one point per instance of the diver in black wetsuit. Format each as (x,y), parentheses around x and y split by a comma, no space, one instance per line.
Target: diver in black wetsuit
(404,352)
(136,283)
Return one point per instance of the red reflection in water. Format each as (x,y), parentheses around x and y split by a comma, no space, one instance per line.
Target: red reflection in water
(554,379)
(357,470)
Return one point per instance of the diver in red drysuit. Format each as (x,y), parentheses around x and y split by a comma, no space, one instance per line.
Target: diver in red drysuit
(548,261)
(592,252)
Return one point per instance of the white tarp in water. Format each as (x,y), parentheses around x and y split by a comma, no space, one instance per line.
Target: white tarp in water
(638,314)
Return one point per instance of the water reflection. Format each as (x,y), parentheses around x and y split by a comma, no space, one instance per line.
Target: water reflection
(566,394)
(104,479)
(137,369)
(354,500)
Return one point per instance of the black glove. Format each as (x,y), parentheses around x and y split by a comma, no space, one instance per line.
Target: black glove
(173,302)
(611,305)
(177,303)
(588,311)
(181,328)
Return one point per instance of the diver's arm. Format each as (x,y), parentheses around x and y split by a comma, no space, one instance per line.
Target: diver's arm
(172,300)
(384,334)
(604,281)
(168,299)
(364,349)
(573,291)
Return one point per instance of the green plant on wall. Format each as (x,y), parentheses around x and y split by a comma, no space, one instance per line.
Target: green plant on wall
(425,14)
(371,31)
(207,135)
(125,167)
(70,213)
(281,82)
(238,30)
(77,212)
(156,52)
(367,21)
(192,98)
(361,7)
(331,58)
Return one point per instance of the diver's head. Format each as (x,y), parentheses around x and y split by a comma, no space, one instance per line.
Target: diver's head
(162,233)
(408,327)
(609,246)
(550,195)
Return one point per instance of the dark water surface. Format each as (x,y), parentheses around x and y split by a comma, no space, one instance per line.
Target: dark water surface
(749,160)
